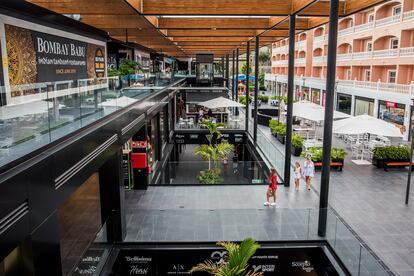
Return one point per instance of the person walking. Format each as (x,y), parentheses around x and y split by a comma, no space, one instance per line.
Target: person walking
(308,170)
(271,189)
(297,174)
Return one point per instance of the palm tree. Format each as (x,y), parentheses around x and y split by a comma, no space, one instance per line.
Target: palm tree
(236,261)
(217,154)
(213,128)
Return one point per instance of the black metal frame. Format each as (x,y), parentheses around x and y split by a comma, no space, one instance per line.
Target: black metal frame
(237,75)
(289,115)
(247,94)
(256,87)
(329,109)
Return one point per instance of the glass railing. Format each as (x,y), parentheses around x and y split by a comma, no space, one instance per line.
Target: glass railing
(196,121)
(34,115)
(226,172)
(264,224)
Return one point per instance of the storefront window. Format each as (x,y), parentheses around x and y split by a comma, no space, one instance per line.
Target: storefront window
(316,96)
(364,106)
(392,112)
(343,103)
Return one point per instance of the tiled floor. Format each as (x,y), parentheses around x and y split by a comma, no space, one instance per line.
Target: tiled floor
(372,202)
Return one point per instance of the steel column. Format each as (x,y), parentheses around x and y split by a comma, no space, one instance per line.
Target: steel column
(227,72)
(237,75)
(256,87)
(246,94)
(329,110)
(289,117)
(232,79)
(411,135)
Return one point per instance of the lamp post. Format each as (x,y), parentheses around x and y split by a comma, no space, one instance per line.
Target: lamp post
(407,192)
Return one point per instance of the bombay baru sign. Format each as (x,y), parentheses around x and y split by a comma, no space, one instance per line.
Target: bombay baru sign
(35,57)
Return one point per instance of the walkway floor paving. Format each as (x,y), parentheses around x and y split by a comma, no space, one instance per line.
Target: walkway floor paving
(371,201)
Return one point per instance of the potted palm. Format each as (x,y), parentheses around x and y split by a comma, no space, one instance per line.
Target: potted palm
(297,144)
(236,260)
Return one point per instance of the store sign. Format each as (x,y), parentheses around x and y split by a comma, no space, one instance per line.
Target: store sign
(391,104)
(35,57)
(286,261)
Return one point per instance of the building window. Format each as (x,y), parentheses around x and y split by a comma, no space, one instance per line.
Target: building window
(393,43)
(369,46)
(392,112)
(343,103)
(364,106)
(367,75)
(392,76)
(371,17)
(349,49)
(396,10)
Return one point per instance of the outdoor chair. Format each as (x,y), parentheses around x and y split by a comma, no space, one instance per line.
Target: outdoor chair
(191,123)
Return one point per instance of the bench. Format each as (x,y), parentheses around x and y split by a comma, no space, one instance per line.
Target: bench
(338,165)
(396,164)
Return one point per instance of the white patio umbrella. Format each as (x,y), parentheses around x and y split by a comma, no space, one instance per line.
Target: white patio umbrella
(314,112)
(121,102)
(366,124)
(220,102)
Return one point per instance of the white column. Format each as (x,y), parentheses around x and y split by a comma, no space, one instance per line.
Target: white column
(352,105)
(406,122)
(376,106)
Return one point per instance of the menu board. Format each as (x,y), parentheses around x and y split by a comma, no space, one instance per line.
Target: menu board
(306,261)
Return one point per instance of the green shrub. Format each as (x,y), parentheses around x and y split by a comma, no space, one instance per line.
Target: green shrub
(279,98)
(297,141)
(243,99)
(210,177)
(264,98)
(392,153)
(316,153)
(274,123)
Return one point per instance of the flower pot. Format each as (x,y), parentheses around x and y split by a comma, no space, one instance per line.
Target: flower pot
(281,138)
(379,163)
(296,151)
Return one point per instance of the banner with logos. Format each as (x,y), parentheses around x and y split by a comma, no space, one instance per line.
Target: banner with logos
(287,261)
(36,57)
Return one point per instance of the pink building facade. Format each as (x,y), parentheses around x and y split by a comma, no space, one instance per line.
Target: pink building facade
(375,63)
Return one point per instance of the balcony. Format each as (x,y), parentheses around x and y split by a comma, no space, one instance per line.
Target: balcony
(280,62)
(407,89)
(346,31)
(320,38)
(281,49)
(388,20)
(409,15)
(300,61)
(385,53)
(301,43)
(407,51)
(363,27)
(347,56)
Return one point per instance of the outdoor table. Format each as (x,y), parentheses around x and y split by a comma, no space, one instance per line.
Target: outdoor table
(309,143)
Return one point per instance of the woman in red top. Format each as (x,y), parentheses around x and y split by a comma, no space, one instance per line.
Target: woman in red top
(271,190)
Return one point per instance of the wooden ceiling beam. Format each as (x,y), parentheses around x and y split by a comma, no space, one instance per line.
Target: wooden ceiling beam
(321,8)
(353,6)
(216,7)
(101,7)
(213,23)
(109,21)
(206,33)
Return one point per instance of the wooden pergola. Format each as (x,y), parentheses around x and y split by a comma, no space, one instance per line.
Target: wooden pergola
(186,27)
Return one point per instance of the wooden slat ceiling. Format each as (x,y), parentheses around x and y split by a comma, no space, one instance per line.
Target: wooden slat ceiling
(186,27)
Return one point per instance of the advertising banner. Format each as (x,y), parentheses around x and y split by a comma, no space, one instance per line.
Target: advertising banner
(295,261)
(35,57)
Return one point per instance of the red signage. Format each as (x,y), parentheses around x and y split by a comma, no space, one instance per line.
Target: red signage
(139,144)
(139,160)
(390,104)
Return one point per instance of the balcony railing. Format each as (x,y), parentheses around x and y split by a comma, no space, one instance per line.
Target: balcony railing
(388,20)
(408,15)
(407,51)
(300,61)
(407,89)
(301,43)
(386,53)
(346,56)
(320,38)
(346,31)
(319,59)
(280,62)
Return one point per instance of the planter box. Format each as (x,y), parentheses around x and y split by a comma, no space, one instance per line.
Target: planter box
(296,151)
(318,165)
(281,138)
(379,163)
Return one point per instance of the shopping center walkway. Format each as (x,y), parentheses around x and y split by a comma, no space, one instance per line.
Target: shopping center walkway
(371,201)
